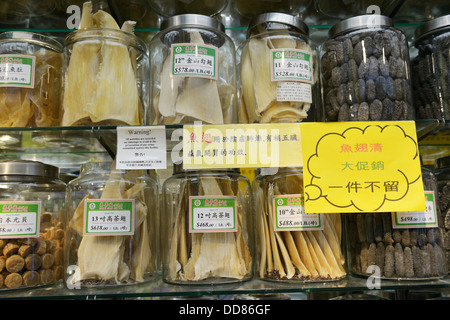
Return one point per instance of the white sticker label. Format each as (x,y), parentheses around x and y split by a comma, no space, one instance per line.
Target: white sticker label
(418,219)
(294,91)
(141,148)
(212,214)
(289,214)
(194,60)
(17,70)
(19,219)
(291,65)
(108,217)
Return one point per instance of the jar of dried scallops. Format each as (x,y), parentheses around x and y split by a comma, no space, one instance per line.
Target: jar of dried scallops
(279,71)
(105,72)
(193,72)
(399,245)
(31,224)
(206,227)
(30,80)
(293,245)
(112,227)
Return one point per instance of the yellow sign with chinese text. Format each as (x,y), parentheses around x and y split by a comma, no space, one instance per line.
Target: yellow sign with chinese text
(361,167)
(241,146)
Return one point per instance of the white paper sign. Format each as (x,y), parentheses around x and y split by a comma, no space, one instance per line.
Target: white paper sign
(141,148)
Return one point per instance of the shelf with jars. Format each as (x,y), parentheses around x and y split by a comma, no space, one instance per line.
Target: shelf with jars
(89,138)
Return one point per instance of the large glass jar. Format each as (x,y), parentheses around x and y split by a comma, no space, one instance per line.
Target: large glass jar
(442,173)
(169,8)
(105,74)
(398,245)
(31,224)
(292,245)
(112,230)
(30,80)
(206,227)
(365,71)
(279,71)
(193,72)
(431,68)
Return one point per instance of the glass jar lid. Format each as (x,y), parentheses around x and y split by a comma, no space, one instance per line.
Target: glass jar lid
(277,20)
(360,22)
(433,26)
(28,168)
(197,20)
(32,38)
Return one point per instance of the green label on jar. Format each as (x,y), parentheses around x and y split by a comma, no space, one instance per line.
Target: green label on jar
(418,219)
(17,70)
(289,214)
(291,65)
(193,60)
(212,214)
(19,219)
(108,217)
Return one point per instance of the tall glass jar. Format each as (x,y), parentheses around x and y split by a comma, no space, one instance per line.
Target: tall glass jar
(442,173)
(290,244)
(193,72)
(431,68)
(365,71)
(398,245)
(112,236)
(279,71)
(206,227)
(32,225)
(30,80)
(105,73)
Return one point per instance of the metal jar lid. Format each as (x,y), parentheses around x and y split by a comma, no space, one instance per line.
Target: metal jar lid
(433,26)
(32,38)
(28,168)
(279,20)
(360,22)
(197,20)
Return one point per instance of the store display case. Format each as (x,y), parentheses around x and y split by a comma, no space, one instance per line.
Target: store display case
(70,147)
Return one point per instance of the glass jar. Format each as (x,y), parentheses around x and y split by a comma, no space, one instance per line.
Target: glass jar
(291,245)
(193,72)
(30,90)
(442,173)
(112,227)
(431,68)
(252,8)
(279,71)
(365,71)
(105,74)
(32,232)
(387,245)
(206,227)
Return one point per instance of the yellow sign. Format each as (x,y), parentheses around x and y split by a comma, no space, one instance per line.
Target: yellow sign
(361,167)
(241,146)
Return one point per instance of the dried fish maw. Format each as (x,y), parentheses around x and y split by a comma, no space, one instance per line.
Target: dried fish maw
(76,223)
(283,112)
(265,89)
(248,102)
(116,94)
(15,107)
(86,20)
(170,87)
(79,83)
(100,257)
(200,100)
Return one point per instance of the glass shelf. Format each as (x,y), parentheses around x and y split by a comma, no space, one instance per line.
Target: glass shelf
(158,288)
